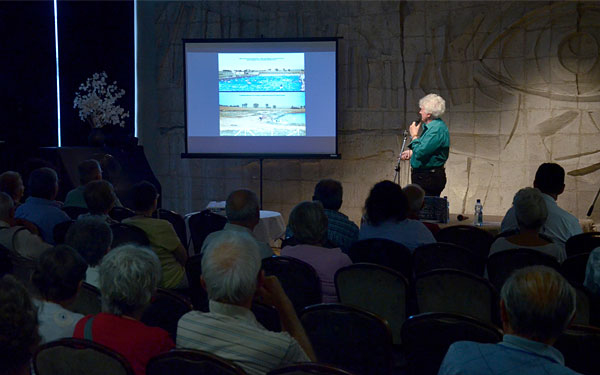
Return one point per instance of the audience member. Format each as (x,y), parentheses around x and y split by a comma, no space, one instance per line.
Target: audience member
(40,208)
(560,225)
(100,198)
(416,199)
(163,238)
(92,239)
(16,237)
(89,170)
(18,327)
(129,275)
(231,276)
(308,222)
(531,214)
(536,305)
(386,210)
(11,183)
(243,214)
(57,278)
(592,273)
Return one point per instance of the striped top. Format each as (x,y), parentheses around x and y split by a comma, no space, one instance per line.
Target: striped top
(232,332)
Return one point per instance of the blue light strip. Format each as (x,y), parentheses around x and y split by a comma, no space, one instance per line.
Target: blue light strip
(57,72)
(135,60)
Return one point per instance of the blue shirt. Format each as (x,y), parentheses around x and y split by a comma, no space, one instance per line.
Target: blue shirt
(514,355)
(44,213)
(408,232)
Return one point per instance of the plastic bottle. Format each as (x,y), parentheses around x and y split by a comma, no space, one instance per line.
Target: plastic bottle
(447,218)
(478,214)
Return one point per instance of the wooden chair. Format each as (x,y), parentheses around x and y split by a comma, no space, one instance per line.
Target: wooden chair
(573,268)
(580,346)
(309,368)
(60,231)
(120,213)
(351,338)
(74,212)
(193,270)
(75,357)
(87,301)
(454,291)
(298,279)
(202,224)
(475,239)
(376,289)
(164,311)
(383,252)
(447,255)
(124,233)
(582,243)
(427,337)
(191,362)
(176,220)
(502,264)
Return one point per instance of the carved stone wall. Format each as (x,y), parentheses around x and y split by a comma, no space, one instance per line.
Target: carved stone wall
(521,81)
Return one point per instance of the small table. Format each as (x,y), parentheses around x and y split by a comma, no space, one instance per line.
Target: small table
(491,223)
(270,227)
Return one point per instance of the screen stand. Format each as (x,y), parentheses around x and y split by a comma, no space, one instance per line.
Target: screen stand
(260,162)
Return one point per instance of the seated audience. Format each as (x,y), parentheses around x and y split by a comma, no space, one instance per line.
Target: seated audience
(592,273)
(416,199)
(531,213)
(92,239)
(560,225)
(11,183)
(18,327)
(89,170)
(57,278)
(536,305)
(243,214)
(386,210)
(17,237)
(129,275)
(163,238)
(308,222)
(231,275)
(40,208)
(100,198)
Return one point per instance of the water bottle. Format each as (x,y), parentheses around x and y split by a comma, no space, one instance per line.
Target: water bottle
(447,216)
(478,214)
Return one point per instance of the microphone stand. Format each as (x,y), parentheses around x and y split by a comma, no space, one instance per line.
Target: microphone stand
(397,169)
(589,213)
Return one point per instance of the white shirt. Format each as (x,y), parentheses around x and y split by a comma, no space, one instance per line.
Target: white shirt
(55,322)
(502,244)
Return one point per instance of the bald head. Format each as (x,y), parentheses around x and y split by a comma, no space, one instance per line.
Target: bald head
(242,208)
(416,196)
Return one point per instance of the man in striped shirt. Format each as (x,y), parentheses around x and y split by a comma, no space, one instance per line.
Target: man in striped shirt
(232,277)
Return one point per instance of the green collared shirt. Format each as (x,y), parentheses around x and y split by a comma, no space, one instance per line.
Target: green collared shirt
(431,149)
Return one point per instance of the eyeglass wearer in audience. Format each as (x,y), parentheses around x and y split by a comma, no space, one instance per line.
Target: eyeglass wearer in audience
(18,327)
(386,216)
(129,276)
(57,278)
(531,213)
(89,170)
(163,238)
(11,183)
(592,273)
(92,239)
(232,276)
(100,198)
(536,305)
(309,225)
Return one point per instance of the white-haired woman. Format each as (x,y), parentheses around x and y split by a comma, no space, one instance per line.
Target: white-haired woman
(129,275)
(428,149)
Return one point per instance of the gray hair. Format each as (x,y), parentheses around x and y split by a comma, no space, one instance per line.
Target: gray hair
(129,275)
(433,104)
(91,237)
(6,204)
(415,195)
(241,205)
(539,302)
(530,208)
(230,266)
(308,222)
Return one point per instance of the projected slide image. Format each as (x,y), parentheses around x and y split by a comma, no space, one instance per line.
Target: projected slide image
(262,114)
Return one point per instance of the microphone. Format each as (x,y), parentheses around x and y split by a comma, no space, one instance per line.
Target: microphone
(461,217)
(418,120)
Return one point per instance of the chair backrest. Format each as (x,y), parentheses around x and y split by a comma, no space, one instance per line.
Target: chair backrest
(309,368)
(202,224)
(76,357)
(176,220)
(193,270)
(191,362)
(384,252)
(267,316)
(454,291)
(427,337)
(377,289)
(573,268)
(120,213)
(74,212)
(583,311)
(87,301)
(125,233)
(298,279)
(580,346)
(502,264)
(20,267)
(582,243)
(475,239)
(349,337)
(447,255)
(164,311)
(60,231)
(6,265)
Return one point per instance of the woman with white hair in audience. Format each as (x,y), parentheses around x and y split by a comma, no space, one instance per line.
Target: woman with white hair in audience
(531,212)
(129,275)
(308,222)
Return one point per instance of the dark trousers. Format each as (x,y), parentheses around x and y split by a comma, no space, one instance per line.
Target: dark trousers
(432,180)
